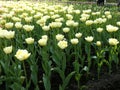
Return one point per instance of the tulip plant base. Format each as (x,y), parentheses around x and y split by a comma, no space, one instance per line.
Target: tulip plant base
(88,82)
(106,81)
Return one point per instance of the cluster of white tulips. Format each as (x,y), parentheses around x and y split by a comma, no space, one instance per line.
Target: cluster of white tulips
(57,32)
(7,34)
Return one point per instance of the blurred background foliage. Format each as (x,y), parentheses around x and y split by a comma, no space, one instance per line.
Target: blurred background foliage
(92,0)
(113,1)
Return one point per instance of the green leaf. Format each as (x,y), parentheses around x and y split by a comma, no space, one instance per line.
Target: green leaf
(46,81)
(60,88)
(102,62)
(67,79)
(57,57)
(87,48)
(44,55)
(47,67)
(7,69)
(34,73)
(61,73)
(76,66)
(3,65)
(1,79)
(56,60)
(63,62)
(37,88)
(78,76)
(44,67)
(17,86)
(106,62)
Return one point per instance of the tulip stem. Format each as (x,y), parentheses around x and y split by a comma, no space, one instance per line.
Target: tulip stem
(25,73)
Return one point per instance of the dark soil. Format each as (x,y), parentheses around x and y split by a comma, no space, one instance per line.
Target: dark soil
(106,82)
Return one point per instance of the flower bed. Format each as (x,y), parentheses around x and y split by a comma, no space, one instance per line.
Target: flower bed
(52,47)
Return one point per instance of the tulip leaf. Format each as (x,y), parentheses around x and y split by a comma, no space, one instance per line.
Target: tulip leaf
(67,79)
(17,86)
